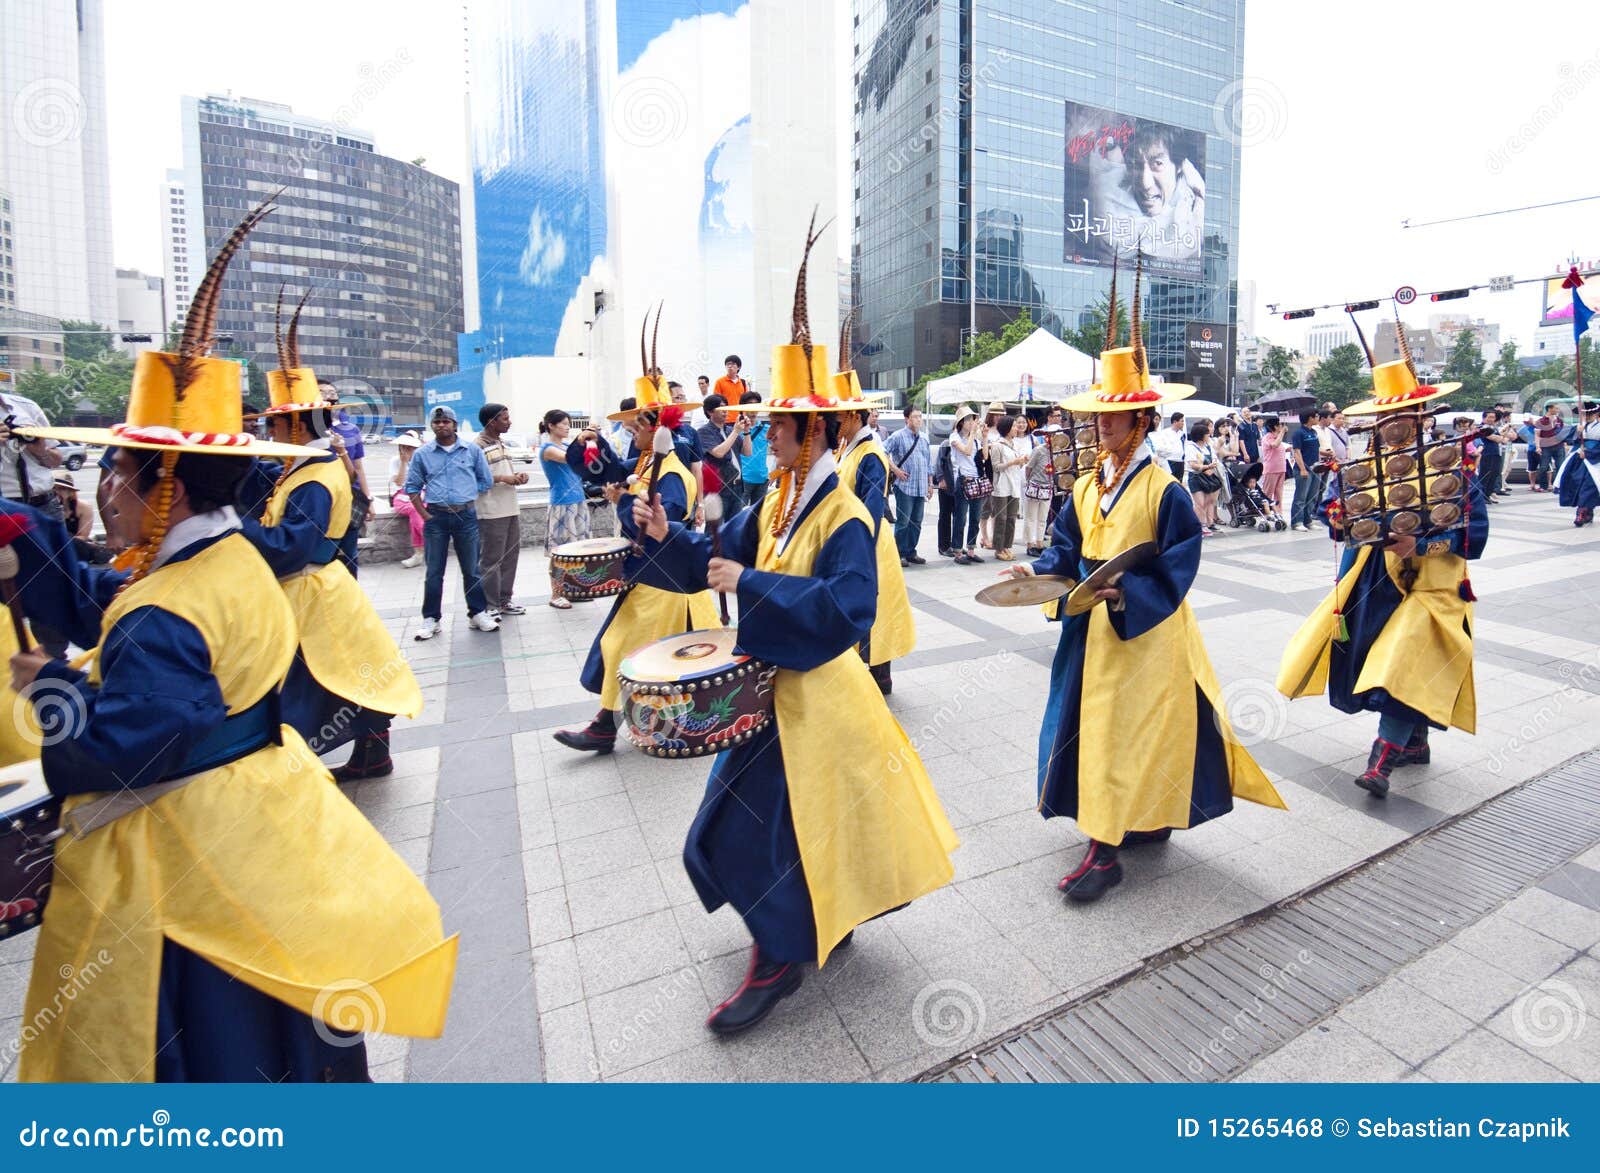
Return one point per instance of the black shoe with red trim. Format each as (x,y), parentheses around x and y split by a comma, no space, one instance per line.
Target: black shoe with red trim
(1139,838)
(369,759)
(1416,751)
(1097,874)
(766,983)
(1384,757)
(599,735)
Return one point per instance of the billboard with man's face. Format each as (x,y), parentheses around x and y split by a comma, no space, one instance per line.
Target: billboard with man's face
(1133,182)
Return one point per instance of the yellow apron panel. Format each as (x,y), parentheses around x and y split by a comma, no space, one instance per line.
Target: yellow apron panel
(1136,734)
(20,735)
(1423,655)
(648,613)
(260,866)
(347,649)
(871,831)
(894,630)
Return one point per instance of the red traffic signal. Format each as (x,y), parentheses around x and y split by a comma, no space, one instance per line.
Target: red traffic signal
(1292,314)
(1357,306)
(1448,294)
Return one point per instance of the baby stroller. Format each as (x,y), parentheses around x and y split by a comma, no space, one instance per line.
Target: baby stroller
(1248,504)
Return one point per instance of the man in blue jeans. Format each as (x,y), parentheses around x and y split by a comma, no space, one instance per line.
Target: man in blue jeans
(1305,450)
(452,475)
(908,449)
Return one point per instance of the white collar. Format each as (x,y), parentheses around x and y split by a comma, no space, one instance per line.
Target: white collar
(1141,456)
(858,439)
(821,469)
(195,528)
(320,443)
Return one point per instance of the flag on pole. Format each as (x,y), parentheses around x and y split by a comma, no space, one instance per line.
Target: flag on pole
(1581,313)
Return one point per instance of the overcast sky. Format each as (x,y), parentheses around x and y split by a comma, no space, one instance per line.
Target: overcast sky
(1358,115)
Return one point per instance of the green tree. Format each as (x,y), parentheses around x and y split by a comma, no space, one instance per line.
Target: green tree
(105,383)
(1277,369)
(51,391)
(174,335)
(1340,378)
(983,347)
(1465,366)
(1507,377)
(84,341)
(1090,336)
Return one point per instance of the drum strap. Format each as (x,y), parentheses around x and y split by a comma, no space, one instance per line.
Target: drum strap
(238,736)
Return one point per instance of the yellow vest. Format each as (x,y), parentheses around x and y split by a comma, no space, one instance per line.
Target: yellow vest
(871,832)
(347,649)
(1138,720)
(646,613)
(20,735)
(260,866)
(894,631)
(1423,655)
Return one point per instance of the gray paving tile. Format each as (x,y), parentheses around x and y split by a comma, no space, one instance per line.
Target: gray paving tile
(875,986)
(704,1063)
(475,828)
(1560,920)
(593,815)
(1409,1023)
(1555,1020)
(556,976)
(1335,1052)
(1519,950)
(492,1031)
(548,917)
(569,1055)
(541,869)
(600,855)
(1467,984)
(939,922)
(641,1023)
(1485,1057)
(622,954)
(484,902)
(619,896)
(990,981)
(711,934)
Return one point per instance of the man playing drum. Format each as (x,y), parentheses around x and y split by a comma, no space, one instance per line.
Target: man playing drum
(824,818)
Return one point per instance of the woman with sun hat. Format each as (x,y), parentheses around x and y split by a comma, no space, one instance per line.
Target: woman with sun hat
(1135,657)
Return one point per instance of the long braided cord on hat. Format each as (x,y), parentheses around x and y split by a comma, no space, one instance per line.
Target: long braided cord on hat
(1121,456)
(297,431)
(792,481)
(142,557)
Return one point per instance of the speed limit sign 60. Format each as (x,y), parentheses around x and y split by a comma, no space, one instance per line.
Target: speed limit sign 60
(1405,295)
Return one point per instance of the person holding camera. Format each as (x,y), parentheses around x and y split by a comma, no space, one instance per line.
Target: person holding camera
(754,465)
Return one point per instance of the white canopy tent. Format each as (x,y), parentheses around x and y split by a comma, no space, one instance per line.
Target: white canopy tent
(1057,369)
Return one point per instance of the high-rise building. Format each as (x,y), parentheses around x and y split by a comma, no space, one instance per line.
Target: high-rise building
(1007,150)
(623,152)
(375,240)
(1324,336)
(54,165)
(140,310)
(180,279)
(8,256)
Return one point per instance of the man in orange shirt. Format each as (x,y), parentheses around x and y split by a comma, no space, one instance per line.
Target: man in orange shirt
(731,387)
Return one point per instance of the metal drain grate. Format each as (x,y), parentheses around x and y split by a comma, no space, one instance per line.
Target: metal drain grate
(1206,1011)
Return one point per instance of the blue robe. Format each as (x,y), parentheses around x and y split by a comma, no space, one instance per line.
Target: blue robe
(157,703)
(300,540)
(1574,483)
(741,849)
(1151,593)
(1372,602)
(676,502)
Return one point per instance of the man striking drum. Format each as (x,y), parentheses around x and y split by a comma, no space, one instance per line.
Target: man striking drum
(642,613)
(825,818)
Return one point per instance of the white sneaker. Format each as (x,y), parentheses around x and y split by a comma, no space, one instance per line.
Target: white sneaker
(429,629)
(414,560)
(484,621)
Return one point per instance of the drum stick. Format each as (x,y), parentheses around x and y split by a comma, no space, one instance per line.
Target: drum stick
(9,566)
(661,444)
(713,511)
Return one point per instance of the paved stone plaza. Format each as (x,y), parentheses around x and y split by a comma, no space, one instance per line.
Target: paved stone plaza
(585,954)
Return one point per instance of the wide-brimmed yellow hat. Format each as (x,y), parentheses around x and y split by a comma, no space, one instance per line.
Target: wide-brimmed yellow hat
(187,402)
(1123,386)
(802,381)
(1395,388)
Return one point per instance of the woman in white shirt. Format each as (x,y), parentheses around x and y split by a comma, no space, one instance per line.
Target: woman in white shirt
(964,444)
(1204,475)
(1006,459)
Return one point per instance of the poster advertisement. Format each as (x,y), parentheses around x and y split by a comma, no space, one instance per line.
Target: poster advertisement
(1208,358)
(1133,182)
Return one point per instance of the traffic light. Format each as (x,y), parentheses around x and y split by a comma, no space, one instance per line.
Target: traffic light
(1356,307)
(1292,314)
(134,337)
(1448,294)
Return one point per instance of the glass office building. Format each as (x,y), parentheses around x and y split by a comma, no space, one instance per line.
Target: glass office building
(1006,150)
(375,239)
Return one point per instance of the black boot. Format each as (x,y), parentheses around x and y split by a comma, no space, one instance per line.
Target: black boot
(766,983)
(1096,875)
(599,735)
(880,673)
(1380,762)
(369,759)
(1416,751)
(1139,838)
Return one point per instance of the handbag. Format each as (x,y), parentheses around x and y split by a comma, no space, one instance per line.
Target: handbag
(976,488)
(360,506)
(1204,482)
(1035,492)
